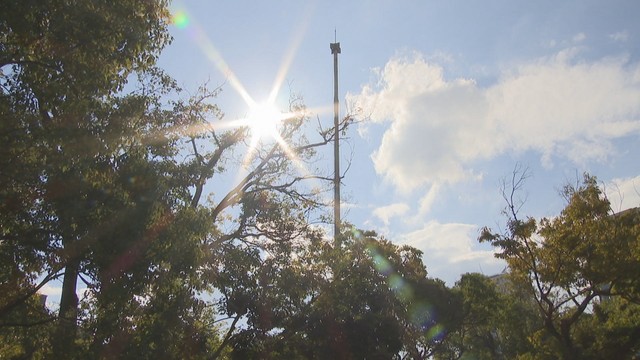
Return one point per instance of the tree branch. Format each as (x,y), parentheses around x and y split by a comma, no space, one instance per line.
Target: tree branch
(227,338)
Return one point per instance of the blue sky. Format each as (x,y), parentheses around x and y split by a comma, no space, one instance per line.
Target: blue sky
(455,94)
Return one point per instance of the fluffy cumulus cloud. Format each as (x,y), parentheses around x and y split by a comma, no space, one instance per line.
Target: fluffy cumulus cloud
(418,146)
(561,108)
(386,213)
(557,106)
(451,249)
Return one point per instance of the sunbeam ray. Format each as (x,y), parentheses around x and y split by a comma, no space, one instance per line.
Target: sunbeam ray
(199,36)
(289,56)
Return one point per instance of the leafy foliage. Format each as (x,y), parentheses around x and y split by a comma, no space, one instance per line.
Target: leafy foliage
(496,320)
(570,261)
(24,332)
(611,331)
(362,297)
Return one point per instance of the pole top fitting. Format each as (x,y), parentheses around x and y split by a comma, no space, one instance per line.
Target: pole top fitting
(335,48)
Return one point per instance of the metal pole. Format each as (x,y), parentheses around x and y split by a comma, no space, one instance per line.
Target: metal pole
(335,50)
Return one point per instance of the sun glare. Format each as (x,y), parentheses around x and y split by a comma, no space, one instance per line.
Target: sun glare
(263,120)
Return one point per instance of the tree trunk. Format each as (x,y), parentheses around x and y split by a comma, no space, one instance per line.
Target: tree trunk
(569,352)
(66,331)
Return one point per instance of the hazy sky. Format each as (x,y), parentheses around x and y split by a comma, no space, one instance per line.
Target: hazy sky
(456,92)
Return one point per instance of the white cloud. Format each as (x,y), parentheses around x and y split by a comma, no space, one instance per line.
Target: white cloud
(623,193)
(579,37)
(427,201)
(556,106)
(385,213)
(50,290)
(421,106)
(53,291)
(620,36)
(564,109)
(451,249)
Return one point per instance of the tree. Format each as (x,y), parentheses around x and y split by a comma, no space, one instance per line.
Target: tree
(109,188)
(357,314)
(611,330)
(477,334)
(569,261)
(495,320)
(60,63)
(364,298)
(24,333)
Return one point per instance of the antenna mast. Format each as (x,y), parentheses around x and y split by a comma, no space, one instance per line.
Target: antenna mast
(335,50)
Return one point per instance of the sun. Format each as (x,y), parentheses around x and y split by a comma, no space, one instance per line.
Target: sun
(263,120)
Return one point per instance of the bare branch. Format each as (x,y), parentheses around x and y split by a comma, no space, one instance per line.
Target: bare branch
(512,187)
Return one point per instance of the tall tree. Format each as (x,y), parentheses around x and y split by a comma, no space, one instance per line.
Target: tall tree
(496,320)
(109,188)
(569,261)
(365,298)
(61,62)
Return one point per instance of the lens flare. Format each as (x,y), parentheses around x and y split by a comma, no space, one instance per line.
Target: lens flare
(403,290)
(180,19)
(380,262)
(421,314)
(436,332)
